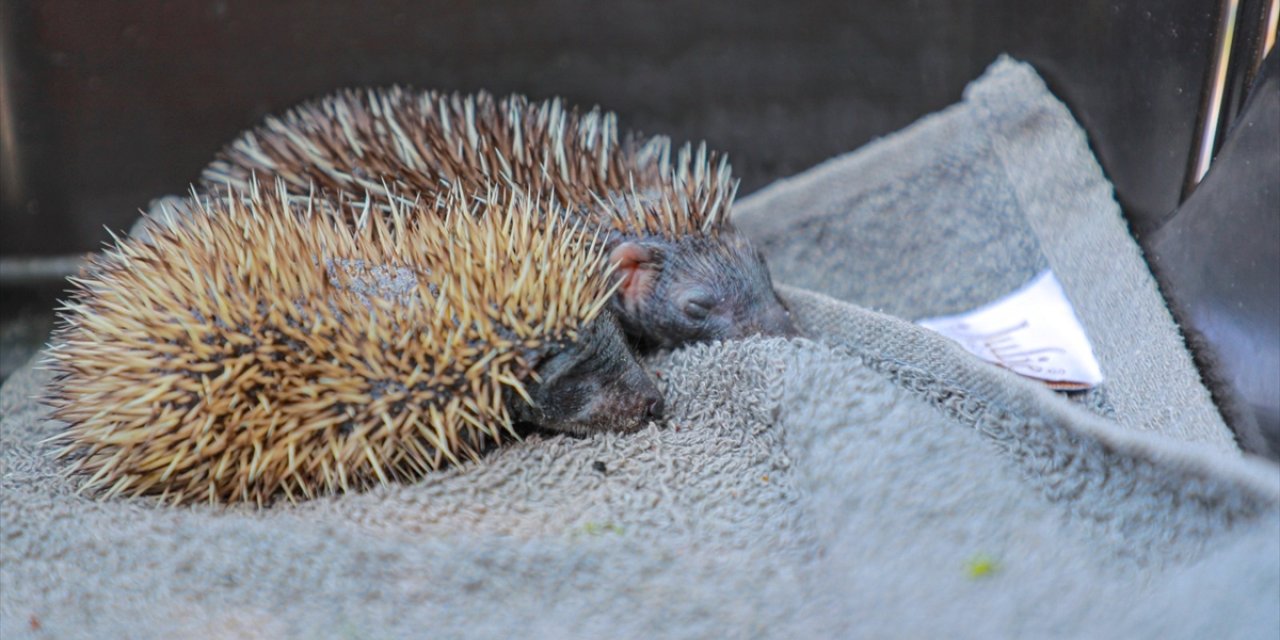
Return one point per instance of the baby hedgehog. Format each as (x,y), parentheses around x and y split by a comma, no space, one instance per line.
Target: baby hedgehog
(246,351)
(686,275)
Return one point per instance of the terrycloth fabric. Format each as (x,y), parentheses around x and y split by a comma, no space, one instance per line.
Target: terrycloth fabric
(797,490)
(875,481)
(968,205)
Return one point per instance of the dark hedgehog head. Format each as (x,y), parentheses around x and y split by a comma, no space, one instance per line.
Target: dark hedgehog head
(696,289)
(594,386)
(685,275)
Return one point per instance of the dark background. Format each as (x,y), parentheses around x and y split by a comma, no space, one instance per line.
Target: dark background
(108,104)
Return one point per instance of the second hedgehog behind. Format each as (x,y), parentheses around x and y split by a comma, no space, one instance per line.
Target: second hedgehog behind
(686,275)
(226,359)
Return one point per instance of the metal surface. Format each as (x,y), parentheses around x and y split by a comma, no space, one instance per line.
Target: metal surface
(11,182)
(1272,22)
(113,103)
(1246,32)
(1218,261)
(38,271)
(1213,96)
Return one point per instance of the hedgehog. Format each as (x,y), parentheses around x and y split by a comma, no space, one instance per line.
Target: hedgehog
(685,274)
(236,355)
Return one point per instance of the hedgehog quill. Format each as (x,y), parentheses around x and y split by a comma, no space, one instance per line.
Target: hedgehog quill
(225,360)
(686,275)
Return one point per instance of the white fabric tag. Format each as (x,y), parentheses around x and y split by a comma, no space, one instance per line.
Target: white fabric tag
(1033,331)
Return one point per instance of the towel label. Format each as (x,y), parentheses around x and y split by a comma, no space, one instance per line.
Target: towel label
(1033,331)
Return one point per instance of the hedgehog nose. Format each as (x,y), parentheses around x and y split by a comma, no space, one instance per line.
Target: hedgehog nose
(782,324)
(654,408)
(774,324)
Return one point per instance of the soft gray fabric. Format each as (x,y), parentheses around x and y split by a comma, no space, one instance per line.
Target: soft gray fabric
(796,490)
(875,481)
(966,206)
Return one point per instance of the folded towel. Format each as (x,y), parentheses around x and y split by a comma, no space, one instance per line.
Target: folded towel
(968,205)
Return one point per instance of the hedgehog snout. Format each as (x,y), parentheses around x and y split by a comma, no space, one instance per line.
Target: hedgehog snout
(655,406)
(777,322)
(637,399)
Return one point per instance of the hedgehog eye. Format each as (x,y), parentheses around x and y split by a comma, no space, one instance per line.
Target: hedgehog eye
(698,308)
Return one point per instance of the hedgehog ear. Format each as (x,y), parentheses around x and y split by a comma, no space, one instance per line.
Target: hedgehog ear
(638,270)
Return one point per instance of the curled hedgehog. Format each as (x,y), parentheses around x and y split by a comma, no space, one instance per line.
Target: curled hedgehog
(685,274)
(237,354)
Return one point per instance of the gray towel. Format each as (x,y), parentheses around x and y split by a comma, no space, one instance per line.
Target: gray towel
(965,207)
(876,481)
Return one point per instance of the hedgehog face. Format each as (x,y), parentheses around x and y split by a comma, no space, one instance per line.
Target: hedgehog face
(594,384)
(696,289)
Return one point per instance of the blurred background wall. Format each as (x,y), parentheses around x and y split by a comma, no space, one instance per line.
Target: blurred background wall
(107,104)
